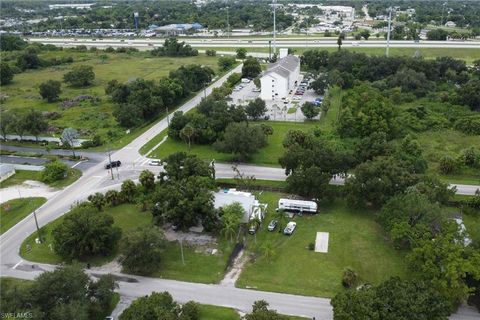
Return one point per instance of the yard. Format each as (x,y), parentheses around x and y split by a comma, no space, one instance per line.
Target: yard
(355,241)
(199,267)
(267,156)
(13,211)
(88,118)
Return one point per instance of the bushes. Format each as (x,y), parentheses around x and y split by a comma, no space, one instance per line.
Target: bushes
(6,74)
(349,278)
(469,125)
(54,171)
(50,90)
(80,76)
(211,53)
(172,48)
(226,62)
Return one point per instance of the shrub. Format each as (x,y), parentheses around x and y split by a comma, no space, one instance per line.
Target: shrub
(311,246)
(349,278)
(54,171)
(447,164)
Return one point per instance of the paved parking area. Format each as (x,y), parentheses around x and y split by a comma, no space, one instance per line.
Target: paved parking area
(278,110)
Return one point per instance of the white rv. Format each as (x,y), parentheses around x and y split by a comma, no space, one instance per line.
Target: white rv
(301,206)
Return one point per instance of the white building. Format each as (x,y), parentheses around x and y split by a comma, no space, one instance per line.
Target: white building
(450,24)
(280,78)
(252,207)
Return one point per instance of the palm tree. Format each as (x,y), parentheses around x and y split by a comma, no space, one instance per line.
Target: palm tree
(255,220)
(187,133)
(229,229)
(281,218)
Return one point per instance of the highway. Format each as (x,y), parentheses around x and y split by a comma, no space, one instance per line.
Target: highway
(150,43)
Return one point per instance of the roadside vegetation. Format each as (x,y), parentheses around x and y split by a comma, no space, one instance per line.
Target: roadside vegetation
(63,178)
(13,211)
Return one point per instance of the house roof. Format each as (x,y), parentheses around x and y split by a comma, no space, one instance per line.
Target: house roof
(284,66)
(226,197)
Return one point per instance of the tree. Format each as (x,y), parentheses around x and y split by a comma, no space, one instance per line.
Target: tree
(393,299)
(365,34)
(50,90)
(447,164)
(80,76)
(469,95)
(141,250)
(28,60)
(172,48)
(160,306)
(372,146)
(349,278)
(54,171)
(188,132)
(147,180)
(98,200)
(231,216)
(310,110)
(256,109)
(437,34)
(7,119)
(6,74)
(210,52)
(410,152)
(260,311)
(112,197)
(241,140)
(241,53)
(128,191)
(339,43)
(251,68)
(226,62)
(10,42)
(69,138)
(35,122)
(269,250)
(98,236)
(180,165)
(375,181)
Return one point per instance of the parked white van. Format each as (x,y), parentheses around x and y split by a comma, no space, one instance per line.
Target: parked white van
(301,206)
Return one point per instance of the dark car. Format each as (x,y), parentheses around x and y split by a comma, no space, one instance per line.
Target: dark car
(113,164)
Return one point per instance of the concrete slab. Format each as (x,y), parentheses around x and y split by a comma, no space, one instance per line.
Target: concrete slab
(321,242)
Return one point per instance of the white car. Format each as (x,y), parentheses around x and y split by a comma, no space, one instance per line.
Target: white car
(245,80)
(290,228)
(155,163)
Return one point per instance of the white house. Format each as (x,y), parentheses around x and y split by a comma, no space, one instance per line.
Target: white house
(280,77)
(450,24)
(252,207)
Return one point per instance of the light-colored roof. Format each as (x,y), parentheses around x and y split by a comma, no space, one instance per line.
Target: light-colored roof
(226,197)
(284,66)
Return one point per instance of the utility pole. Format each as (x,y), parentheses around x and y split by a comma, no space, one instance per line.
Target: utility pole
(110,160)
(228,24)
(168,119)
(389,29)
(181,251)
(274,4)
(36,223)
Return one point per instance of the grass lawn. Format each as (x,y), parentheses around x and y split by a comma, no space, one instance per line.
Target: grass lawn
(257,182)
(267,156)
(328,120)
(17,210)
(86,117)
(21,176)
(436,144)
(208,312)
(199,267)
(356,241)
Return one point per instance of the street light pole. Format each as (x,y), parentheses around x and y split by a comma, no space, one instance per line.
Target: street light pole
(274,4)
(36,223)
(110,160)
(389,29)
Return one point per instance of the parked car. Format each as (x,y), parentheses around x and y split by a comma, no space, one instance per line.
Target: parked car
(297,98)
(245,80)
(290,228)
(256,89)
(319,99)
(113,164)
(253,228)
(155,162)
(272,225)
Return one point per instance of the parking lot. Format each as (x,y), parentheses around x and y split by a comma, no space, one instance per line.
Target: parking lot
(287,109)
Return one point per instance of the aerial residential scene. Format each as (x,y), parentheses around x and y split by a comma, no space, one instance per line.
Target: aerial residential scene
(240,159)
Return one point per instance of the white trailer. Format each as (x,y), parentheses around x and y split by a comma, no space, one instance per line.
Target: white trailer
(301,206)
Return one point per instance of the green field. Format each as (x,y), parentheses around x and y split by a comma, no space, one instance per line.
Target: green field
(267,156)
(13,211)
(467,54)
(89,118)
(355,240)
(199,267)
(208,312)
(436,144)
(21,176)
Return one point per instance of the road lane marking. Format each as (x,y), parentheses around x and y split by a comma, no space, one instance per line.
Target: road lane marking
(15,266)
(76,164)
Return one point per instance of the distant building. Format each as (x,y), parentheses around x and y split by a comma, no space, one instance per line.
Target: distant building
(71,5)
(280,77)
(252,207)
(177,28)
(450,24)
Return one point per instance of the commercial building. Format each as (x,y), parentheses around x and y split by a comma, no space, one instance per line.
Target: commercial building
(281,77)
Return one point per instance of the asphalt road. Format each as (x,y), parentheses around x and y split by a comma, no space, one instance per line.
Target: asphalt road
(254,43)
